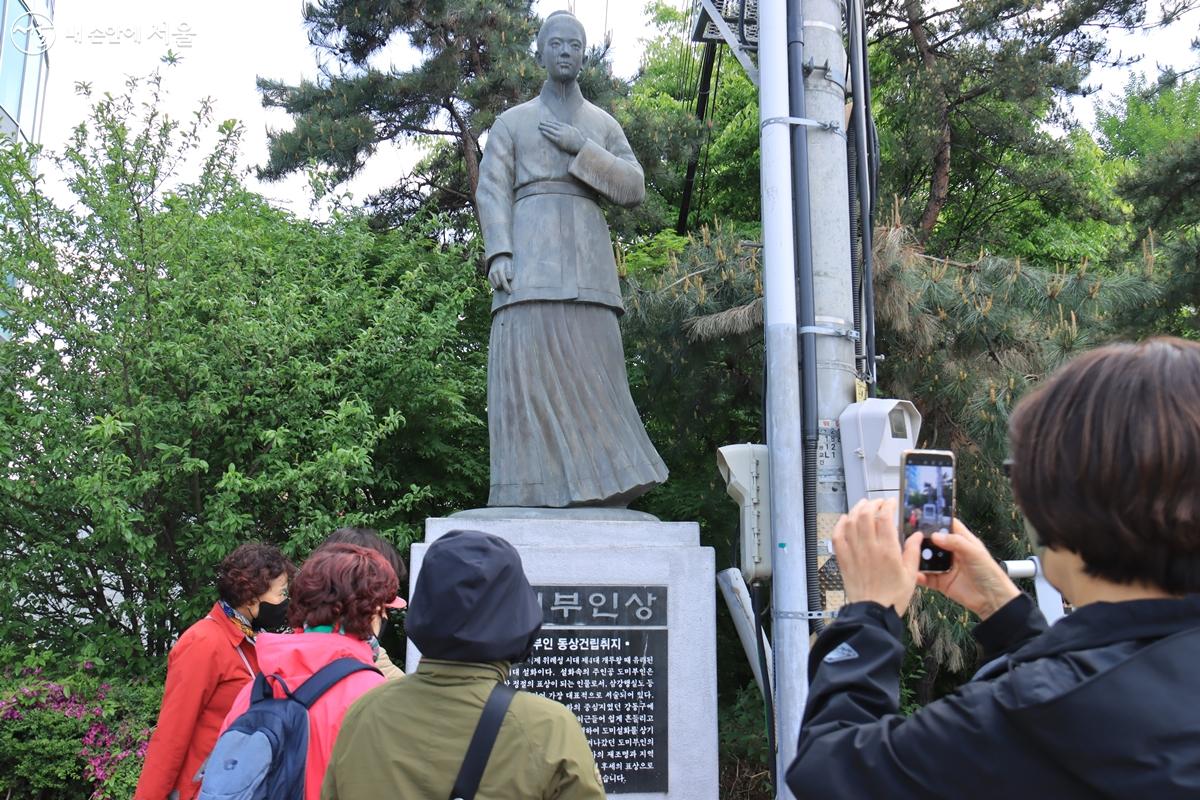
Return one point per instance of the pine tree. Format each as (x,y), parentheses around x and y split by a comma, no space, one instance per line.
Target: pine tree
(964,93)
(475,63)
(964,340)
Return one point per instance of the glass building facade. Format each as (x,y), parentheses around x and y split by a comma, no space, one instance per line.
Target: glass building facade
(26,34)
(25,38)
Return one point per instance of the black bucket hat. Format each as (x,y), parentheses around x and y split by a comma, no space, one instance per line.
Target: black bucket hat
(472,601)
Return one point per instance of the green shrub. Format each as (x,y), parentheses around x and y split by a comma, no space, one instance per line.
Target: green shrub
(74,737)
(745,753)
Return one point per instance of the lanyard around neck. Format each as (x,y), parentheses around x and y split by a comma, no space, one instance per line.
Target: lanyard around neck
(238,648)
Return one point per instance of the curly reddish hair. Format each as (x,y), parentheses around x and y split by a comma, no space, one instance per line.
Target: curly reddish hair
(372,540)
(343,585)
(248,571)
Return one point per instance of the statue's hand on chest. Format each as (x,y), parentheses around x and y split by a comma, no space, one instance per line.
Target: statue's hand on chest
(562,135)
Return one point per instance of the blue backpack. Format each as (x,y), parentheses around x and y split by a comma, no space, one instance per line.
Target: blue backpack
(262,755)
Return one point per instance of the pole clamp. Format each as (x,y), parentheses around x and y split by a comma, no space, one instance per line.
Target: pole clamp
(805,121)
(806,615)
(826,330)
(826,71)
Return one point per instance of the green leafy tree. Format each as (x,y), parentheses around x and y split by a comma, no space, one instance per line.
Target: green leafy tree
(190,368)
(727,158)
(1153,135)
(475,62)
(1060,207)
(965,96)
(969,102)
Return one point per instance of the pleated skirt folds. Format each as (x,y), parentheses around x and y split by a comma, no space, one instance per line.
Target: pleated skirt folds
(563,427)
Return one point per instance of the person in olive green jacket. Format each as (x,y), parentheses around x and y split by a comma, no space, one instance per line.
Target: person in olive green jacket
(472,614)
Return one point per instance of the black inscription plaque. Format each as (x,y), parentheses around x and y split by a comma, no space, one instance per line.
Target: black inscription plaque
(603,654)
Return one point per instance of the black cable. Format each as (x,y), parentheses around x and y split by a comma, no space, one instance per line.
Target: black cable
(712,114)
(868,217)
(859,197)
(805,306)
(756,592)
(702,95)
(688,62)
(852,145)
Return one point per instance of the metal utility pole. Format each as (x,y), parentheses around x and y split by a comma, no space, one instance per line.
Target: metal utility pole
(814,61)
(789,587)
(810,324)
(832,287)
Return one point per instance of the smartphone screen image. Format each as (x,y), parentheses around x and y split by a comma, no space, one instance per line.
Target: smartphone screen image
(927,503)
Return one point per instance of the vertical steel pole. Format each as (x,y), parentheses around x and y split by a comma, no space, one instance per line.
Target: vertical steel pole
(789,599)
(833,291)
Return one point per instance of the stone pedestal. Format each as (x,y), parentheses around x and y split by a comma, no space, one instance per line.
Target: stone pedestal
(629,641)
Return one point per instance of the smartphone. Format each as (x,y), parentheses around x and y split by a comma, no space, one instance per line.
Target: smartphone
(927,502)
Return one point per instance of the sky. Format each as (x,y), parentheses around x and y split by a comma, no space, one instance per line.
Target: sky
(1164,47)
(226,44)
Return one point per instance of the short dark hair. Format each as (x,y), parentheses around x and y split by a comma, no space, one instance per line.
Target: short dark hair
(248,571)
(1106,462)
(372,540)
(341,584)
(559,16)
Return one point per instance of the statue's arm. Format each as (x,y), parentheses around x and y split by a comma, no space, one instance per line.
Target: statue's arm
(494,194)
(612,169)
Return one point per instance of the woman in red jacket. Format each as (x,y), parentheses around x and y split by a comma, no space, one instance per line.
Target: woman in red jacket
(209,665)
(339,602)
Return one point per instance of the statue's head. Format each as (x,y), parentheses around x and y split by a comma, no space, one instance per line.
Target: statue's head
(561,43)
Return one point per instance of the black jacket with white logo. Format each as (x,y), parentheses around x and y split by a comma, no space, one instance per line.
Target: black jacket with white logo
(1104,704)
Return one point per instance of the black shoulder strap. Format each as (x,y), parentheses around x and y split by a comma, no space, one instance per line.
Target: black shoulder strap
(480,749)
(262,688)
(324,678)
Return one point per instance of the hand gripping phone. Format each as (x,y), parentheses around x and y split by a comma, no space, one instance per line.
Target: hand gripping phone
(927,502)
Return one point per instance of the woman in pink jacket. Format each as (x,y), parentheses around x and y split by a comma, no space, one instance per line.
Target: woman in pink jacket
(338,602)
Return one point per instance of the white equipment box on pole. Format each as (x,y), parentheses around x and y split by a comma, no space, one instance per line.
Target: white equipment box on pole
(746,474)
(874,434)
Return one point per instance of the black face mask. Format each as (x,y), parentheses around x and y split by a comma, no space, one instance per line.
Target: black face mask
(271,616)
(383,626)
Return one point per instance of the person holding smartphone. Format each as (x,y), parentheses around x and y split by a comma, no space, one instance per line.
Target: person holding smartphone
(1106,470)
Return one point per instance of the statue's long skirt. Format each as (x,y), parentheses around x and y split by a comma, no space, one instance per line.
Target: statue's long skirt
(563,427)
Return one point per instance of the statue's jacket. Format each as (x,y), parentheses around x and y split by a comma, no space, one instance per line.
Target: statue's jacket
(538,203)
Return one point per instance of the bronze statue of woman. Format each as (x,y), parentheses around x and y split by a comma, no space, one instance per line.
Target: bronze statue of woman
(564,430)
